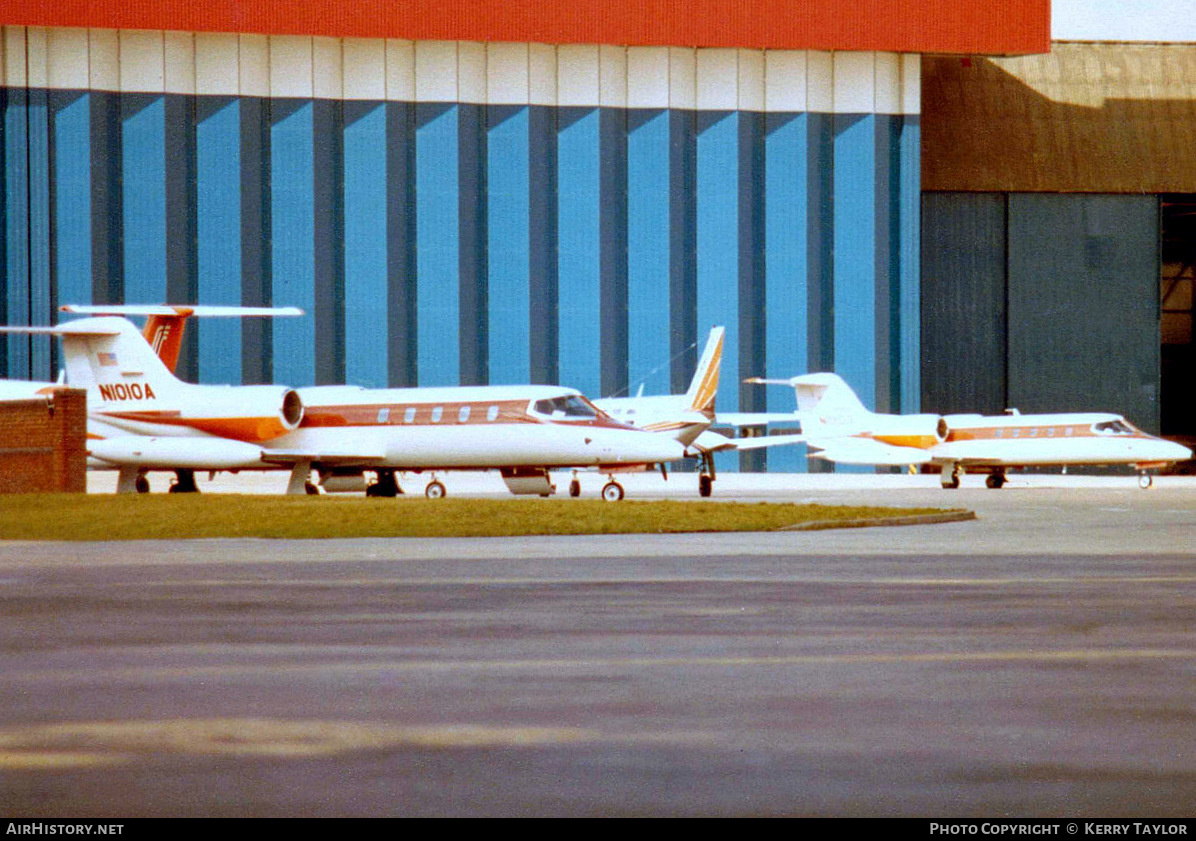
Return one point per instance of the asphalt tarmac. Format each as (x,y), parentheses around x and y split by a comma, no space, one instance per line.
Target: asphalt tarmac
(1039,661)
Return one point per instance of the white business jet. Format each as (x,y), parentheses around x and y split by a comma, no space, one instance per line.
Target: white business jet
(838,428)
(142,418)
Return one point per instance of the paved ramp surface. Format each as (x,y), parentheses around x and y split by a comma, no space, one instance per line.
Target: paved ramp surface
(1038,661)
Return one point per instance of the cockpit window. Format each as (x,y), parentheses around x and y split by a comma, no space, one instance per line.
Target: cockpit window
(1113,427)
(571,406)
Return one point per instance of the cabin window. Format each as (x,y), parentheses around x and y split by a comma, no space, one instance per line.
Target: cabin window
(437,414)
(383,415)
(463,414)
(492,414)
(1069,431)
(409,415)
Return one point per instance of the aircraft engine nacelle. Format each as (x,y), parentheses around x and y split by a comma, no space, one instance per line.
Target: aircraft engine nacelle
(918,431)
(244,413)
(173,452)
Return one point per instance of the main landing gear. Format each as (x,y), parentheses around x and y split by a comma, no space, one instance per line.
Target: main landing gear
(385,486)
(996,479)
(951,475)
(705,474)
(184,483)
(612,491)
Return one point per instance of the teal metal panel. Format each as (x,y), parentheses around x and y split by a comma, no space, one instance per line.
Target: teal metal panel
(963,321)
(1084,304)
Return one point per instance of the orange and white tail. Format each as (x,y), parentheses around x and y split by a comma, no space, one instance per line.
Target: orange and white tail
(704,385)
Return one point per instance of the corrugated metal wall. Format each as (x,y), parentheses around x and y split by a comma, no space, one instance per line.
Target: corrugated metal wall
(964,289)
(466,213)
(1042,303)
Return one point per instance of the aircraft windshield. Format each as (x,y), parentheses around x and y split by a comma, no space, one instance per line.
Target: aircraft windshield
(570,406)
(1113,427)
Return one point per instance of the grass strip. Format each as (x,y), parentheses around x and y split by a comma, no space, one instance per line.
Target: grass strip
(166,517)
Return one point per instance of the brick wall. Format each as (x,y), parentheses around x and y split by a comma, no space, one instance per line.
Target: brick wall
(43,443)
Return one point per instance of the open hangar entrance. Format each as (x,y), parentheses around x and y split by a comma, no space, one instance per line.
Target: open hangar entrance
(1059,233)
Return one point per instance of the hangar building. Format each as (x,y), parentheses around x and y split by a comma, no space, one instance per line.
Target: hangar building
(915,194)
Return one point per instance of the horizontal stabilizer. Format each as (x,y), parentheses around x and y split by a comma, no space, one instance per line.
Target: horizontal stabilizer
(178,310)
(68,329)
(867,451)
(738,419)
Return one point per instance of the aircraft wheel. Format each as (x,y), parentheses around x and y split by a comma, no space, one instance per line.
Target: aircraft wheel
(995,480)
(612,491)
(1145,480)
(575,488)
(435,490)
(705,485)
(311,489)
(142,485)
(950,479)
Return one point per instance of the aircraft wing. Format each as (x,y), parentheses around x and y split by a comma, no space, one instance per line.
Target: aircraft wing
(715,443)
(738,419)
(867,451)
(345,458)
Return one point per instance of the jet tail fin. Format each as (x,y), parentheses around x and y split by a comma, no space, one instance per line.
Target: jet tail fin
(704,385)
(825,397)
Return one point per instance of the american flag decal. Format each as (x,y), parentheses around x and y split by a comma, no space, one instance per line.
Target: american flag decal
(107,358)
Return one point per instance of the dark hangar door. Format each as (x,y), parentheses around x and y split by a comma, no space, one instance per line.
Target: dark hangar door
(1083,305)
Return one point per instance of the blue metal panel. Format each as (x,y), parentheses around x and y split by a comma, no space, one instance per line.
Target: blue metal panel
(718,209)
(182,225)
(718,242)
(751,286)
(72,197)
(578,214)
(365,249)
(887,265)
(218,218)
(143,147)
(16,231)
(328,240)
(437,233)
(257,337)
(612,236)
(542,246)
(508,220)
(855,253)
(820,244)
(5,210)
(401,266)
(910,272)
(107,216)
(472,260)
(41,305)
(26,134)
(786,299)
(683,249)
(648,323)
(293,233)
